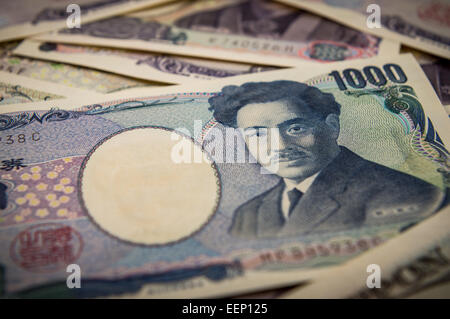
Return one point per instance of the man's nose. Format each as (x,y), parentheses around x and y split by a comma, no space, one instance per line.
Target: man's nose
(282,142)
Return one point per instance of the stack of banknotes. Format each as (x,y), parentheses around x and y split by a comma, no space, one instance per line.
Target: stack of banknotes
(224,148)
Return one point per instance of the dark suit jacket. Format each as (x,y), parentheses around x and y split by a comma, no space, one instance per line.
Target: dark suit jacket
(348,193)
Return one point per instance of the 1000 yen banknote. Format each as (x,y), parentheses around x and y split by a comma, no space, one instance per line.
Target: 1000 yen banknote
(22,18)
(143,65)
(423,25)
(251,31)
(250,182)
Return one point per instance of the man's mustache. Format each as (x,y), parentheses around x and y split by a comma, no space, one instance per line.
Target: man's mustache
(288,154)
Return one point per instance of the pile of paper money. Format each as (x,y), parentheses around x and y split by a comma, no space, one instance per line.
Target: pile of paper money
(224,148)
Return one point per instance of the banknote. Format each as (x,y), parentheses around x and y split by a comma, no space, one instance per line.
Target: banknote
(408,268)
(250,31)
(251,182)
(421,24)
(143,65)
(64,74)
(22,18)
(16,89)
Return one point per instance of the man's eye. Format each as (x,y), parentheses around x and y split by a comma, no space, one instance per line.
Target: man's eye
(257,133)
(296,129)
(261,133)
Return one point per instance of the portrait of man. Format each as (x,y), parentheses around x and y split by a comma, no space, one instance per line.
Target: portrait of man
(323,186)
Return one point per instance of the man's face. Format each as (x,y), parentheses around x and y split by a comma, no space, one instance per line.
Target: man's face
(305,144)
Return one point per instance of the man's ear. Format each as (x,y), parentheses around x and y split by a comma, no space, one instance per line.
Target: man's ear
(332,120)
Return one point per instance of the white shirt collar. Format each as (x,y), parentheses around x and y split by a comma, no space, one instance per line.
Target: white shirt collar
(290,185)
(302,186)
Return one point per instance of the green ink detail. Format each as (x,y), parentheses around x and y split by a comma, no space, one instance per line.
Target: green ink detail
(397,98)
(402,99)
(14,61)
(57,65)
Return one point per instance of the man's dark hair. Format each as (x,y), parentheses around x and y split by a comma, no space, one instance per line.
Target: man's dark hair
(232,98)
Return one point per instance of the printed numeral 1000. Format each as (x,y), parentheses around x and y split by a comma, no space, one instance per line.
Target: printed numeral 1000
(372,74)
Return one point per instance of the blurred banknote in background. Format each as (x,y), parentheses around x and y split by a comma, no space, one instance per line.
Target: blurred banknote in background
(249,31)
(64,74)
(437,71)
(137,64)
(16,89)
(421,24)
(22,18)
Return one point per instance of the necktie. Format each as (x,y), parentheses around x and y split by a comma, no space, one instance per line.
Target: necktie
(294,196)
